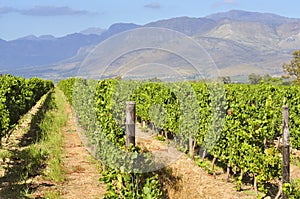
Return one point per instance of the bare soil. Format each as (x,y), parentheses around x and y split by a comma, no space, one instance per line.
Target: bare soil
(81,171)
(182,178)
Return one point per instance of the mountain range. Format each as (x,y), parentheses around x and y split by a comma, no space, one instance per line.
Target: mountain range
(239,42)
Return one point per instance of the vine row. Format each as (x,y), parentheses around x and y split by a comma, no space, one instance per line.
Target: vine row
(17,96)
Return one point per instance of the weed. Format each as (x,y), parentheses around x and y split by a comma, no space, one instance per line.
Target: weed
(160,138)
(52,195)
(4,154)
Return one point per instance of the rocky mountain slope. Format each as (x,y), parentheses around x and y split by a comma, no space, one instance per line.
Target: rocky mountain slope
(239,43)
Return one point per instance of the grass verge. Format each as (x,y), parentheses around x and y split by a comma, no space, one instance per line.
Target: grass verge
(31,161)
(51,143)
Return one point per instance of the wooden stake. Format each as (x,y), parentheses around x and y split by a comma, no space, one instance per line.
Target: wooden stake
(130,123)
(285,148)
(227,173)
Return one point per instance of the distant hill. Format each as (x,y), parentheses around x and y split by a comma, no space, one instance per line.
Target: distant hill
(92,31)
(44,50)
(39,51)
(186,25)
(239,42)
(238,15)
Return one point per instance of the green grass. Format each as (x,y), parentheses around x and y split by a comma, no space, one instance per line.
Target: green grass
(50,144)
(206,164)
(39,152)
(53,195)
(252,193)
(23,158)
(160,138)
(52,137)
(4,154)
(100,167)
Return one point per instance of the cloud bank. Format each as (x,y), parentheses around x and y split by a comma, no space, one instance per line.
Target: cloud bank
(5,10)
(44,11)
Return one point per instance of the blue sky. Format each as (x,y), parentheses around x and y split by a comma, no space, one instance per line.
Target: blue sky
(19,18)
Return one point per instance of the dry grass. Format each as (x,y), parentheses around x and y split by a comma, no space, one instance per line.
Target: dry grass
(181,178)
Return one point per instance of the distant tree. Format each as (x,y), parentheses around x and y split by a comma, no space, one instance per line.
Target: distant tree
(272,80)
(225,79)
(254,78)
(155,79)
(118,77)
(267,78)
(292,69)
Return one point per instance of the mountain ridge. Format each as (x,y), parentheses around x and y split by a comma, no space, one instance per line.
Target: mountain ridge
(240,42)
(251,16)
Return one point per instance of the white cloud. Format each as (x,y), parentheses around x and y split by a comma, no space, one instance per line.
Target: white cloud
(153,5)
(44,11)
(5,10)
(229,1)
(222,3)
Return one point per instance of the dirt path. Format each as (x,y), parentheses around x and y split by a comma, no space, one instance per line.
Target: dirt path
(16,180)
(81,172)
(192,181)
(21,173)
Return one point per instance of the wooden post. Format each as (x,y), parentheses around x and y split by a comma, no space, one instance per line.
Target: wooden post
(191,149)
(130,123)
(285,147)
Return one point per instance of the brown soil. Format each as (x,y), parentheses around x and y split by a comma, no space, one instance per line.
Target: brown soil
(295,170)
(81,171)
(182,178)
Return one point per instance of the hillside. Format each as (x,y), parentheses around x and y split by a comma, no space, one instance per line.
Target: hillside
(239,43)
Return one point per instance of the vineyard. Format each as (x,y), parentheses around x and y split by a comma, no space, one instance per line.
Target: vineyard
(237,126)
(17,96)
